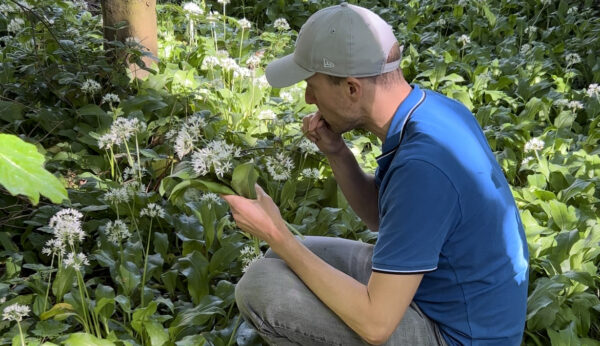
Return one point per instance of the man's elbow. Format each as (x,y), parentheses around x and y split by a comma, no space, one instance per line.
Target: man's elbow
(378,335)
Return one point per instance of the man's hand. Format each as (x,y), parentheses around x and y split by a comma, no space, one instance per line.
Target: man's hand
(259,217)
(317,130)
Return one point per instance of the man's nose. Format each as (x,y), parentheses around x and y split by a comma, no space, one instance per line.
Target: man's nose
(309,98)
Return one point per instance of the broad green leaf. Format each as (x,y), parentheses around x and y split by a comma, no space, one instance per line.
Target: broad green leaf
(22,171)
(156,333)
(105,307)
(564,337)
(207,308)
(204,185)
(49,328)
(129,277)
(142,315)
(84,339)
(59,311)
(63,282)
(243,179)
(11,111)
(194,266)
(564,217)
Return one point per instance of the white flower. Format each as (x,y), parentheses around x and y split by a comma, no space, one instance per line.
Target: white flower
(280,167)
(106,141)
(216,155)
(5,9)
(281,24)
(121,131)
(76,260)
(561,102)
(212,16)
(261,82)
(153,210)
(286,96)
(209,62)
(534,144)
(575,105)
(464,39)
(532,29)
(15,312)
(15,25)
(311,173)
(572,59)
(242,72)
(224,2)
(573,10)
(66,225)
(245,23)
(229,64)
(267,114)
(192,8)
(116,231)
(525,48)
(253,61)
(210,197)
(53,247)
(546,2)
(441,22)
(526,160)
(593,90)
(184,143)
(111,98)
(307,146)
(90,86)
(2,300)
(117,195)
(248,256)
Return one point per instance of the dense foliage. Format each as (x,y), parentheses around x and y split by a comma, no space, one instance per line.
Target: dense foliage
(142,253)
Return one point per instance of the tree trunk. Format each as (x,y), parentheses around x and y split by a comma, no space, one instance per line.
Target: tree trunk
(140,16)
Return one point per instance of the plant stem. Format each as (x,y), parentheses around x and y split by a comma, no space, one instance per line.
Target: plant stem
(146,261)
(49,280)
(83,305)
(21,333)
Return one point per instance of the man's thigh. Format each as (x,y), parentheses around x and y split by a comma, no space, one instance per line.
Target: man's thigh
(285,312)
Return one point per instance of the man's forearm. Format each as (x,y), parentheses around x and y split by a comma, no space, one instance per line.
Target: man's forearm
(358,187)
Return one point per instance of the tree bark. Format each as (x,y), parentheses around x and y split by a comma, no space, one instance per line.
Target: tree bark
(140,16)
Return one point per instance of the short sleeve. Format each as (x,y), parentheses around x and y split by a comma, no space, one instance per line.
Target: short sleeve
(419,207)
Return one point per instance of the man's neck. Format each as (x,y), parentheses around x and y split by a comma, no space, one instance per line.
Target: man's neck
(385,103)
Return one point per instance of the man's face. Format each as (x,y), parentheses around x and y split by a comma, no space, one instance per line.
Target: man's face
(332,101)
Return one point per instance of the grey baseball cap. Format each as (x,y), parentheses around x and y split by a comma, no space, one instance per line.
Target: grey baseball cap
(343,40)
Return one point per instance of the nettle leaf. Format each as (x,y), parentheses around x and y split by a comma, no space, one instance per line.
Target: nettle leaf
(22,171)
(243,179)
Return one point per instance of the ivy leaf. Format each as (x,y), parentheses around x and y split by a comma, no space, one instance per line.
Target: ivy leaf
(22,171)
(243,179)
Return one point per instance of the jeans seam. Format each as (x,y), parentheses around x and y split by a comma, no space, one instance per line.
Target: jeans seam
(310,336)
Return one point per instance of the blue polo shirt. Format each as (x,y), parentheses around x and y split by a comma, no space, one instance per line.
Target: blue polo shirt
(446,210)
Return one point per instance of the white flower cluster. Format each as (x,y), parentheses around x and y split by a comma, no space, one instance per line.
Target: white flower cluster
(121,131)
(573,10)
(464,40)
(546,2)
(118,195)
(308,147)
(224,2)
(526,160)
(210,197)
(593,90)
(111,98)
(572,59)
(532,29)
(261,82)
(534,144)
(66,225)
(5,9)
(245,23)
(248,256)
(575,105)
(153,210)
(266,114)
(286,96)
(441,22)
(281,24)
(212,16)
(116,231)
(280,167)
(15,25)
(15,312)
(90,86)
(76,260)
(253,61)
(217,155)
(192,8)
(311,173)
(525,48)
(188,134)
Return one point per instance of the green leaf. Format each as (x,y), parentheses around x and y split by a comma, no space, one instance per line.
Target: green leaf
(49,328)
(156,333)
(195,267)
(206,308)
(22,171)
(59,311)
(129,277)
(243,179)
(564,217)
(84,339)
(142,315)
(11,111)
(105,307)
(63,282)
(203,185)
(564,337)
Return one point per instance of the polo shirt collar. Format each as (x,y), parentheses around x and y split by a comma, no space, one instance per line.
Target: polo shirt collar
(393,133)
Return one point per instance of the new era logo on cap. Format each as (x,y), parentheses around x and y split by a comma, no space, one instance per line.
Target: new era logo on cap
(327,63)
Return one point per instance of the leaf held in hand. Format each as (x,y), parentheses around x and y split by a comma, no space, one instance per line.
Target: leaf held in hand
(243,180)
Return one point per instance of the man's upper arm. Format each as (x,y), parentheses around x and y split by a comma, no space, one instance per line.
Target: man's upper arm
(390,295)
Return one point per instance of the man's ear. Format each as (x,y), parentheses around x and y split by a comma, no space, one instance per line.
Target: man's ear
(354,88)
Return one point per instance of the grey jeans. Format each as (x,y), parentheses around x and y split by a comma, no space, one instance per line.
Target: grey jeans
(285,312)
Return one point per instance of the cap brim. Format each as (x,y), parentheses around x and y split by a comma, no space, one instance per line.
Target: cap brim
(284,72)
